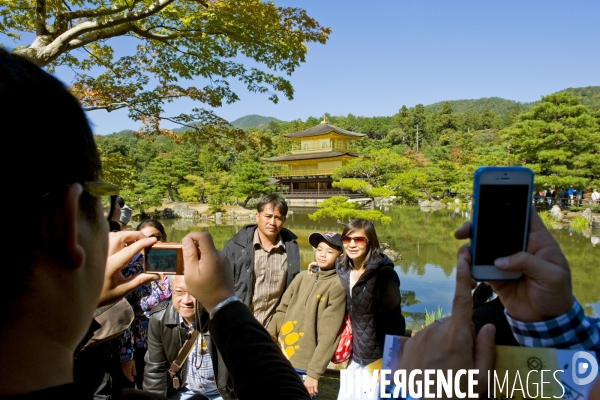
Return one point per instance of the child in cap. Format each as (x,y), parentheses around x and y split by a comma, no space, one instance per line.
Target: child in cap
(308,319)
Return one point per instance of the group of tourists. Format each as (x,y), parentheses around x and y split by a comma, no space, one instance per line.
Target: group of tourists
(232,308)
(351,282)
(562,197)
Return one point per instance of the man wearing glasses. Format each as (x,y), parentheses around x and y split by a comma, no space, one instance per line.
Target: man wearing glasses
(59,272)
(171,324)
(265,259)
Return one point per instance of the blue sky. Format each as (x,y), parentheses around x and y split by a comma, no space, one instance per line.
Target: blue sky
(383,54)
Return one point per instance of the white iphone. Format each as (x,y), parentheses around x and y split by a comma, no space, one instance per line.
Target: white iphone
(500,219)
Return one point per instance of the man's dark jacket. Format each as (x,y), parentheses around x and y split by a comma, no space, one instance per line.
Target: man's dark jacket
(240,252)
(165,338)
(374,308)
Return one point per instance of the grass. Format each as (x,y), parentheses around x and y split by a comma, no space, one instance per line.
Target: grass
(430,317)
(546,218)
(579,224)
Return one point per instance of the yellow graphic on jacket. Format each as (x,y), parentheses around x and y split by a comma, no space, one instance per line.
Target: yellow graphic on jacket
(287,338)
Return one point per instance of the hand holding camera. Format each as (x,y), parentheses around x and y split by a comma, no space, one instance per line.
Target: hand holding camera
(208,272)
(122,247)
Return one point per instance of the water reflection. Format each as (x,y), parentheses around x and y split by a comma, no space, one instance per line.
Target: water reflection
(428,248)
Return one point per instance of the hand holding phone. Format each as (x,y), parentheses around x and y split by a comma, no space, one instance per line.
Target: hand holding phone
(500,219)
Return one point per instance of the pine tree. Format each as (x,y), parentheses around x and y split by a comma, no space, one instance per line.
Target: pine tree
(559,139)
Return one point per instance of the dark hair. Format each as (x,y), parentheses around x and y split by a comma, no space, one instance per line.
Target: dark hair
(155,224)
(373,250)
(51,132)
(58,143)
(120,201)
(275,201)
(482,294)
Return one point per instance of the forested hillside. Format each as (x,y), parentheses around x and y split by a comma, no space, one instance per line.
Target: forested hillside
(252,121)
(416,153)
(590,96)
(498,105)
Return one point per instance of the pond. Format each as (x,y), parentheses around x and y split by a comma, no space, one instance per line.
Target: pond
(428,248)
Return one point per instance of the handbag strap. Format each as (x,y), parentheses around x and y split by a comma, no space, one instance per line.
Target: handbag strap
(183,354)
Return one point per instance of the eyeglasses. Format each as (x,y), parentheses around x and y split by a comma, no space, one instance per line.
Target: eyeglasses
(180,293)
(358,240)
(106,192)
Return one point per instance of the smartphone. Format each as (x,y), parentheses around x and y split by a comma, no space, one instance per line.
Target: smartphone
(164,258)
(500,219)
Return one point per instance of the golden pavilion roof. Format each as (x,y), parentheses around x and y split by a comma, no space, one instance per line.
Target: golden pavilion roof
(310,156)
(323,129)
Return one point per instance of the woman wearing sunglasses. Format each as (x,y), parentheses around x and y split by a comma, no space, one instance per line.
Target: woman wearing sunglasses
(372,296)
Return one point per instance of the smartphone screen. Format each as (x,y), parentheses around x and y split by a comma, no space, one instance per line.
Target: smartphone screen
(161,260)
(501,221)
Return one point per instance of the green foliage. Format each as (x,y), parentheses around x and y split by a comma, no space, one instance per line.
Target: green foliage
(559,140)
(200,188)
(451,146)
(590,96)
(579,224)
(249,181)
(546,218)
(171,42)
(496,104)
(339,207)
(167,172)
(430,317)
(215,203)
(117,169)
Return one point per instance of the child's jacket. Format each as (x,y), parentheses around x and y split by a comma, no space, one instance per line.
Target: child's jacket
(308,320)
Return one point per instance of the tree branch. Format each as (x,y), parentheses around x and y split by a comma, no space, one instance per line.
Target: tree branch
(49,49)
(40,18)
(96,12)
(109,107)
(117,106)
(153,36)
(132,16)
(145,33)
(100,35)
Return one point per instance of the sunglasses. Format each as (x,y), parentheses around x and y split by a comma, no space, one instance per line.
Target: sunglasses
(106,192)
(358,240)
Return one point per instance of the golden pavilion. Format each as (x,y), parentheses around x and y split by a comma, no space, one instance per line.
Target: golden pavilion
(316,152)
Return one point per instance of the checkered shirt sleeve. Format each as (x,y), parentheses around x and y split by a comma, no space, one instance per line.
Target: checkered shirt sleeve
(573,330)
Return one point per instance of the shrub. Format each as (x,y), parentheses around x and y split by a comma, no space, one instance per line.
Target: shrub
(431,317)
(579,224)
(546,218)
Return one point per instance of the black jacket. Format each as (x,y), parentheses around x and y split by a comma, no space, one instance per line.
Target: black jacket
(374,308)
(165,338)
(258,368)
(240,252)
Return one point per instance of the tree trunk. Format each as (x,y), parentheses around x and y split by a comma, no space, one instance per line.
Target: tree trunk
(170,190)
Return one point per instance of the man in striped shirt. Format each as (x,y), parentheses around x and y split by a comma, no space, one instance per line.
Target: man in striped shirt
(265,258)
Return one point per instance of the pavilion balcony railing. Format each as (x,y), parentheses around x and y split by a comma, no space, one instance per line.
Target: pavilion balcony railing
(299,149)
(280,173)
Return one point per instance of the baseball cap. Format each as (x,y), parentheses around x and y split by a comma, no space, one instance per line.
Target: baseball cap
(330,237)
